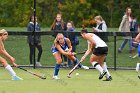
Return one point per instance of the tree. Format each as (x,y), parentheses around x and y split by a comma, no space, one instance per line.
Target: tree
(17,12)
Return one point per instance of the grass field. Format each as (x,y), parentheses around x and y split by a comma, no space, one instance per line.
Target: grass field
(48,29)
(18,47)
(124,81)
(87,82)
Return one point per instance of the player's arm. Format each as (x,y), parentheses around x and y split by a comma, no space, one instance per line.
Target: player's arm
(62,51)
(69,44)
(87,52)
(5,53)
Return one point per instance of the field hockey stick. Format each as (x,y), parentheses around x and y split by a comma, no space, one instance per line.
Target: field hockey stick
(135,56)
(42,77)
(73,69)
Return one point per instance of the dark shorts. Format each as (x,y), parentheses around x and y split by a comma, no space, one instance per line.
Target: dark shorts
(100,51)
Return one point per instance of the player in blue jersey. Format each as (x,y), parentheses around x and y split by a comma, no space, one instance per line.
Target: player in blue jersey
(63,46)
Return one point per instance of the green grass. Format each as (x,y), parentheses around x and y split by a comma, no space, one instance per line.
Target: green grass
(18,47)
(48,29)
(87,82)
(21,29)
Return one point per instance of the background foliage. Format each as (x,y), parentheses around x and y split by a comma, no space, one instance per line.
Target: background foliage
(17,12)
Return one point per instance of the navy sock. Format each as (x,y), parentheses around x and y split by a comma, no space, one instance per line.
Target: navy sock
(76,62)
(69,62)
(56,69)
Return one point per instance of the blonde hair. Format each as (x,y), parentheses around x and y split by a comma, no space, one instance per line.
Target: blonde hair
(59,34)
(99,18)
(2,31)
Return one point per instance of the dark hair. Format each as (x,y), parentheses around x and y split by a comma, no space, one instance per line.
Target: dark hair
(31,17)
(71,23)
(84,30)
(128,8)
(127,11)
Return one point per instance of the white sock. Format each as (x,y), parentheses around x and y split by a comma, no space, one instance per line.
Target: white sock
(138,64)
(97,66)
(10,70)
(105,69)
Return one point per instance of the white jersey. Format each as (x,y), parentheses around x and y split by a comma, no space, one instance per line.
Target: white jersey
(99,42)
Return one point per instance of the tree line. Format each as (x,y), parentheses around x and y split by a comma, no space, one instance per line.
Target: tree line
(17,12)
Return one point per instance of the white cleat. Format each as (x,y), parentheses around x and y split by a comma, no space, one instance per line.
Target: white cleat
(56,77)
(38,64)
(137,67)
(85,67)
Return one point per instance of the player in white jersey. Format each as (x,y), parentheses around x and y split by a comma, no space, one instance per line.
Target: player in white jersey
(99,51)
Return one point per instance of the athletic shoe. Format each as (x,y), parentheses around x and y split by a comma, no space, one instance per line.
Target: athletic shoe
(139,76)
(102,75)
(85,67)
(108,79)
(56,77)
(31,65)
(137,67)
(16,78)
(38,64)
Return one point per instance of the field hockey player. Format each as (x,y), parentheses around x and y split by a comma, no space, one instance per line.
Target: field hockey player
(63,46)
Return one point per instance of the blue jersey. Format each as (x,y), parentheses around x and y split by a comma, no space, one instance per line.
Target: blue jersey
(65,47)
(139,49)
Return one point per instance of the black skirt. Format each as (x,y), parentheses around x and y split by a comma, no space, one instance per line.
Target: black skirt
(100,51)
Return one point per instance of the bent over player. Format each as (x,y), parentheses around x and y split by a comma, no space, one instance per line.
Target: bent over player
(99,51)
(63,46)
(3,37)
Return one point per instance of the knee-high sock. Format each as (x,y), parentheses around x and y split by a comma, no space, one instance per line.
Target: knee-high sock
(105,69)
(10,70)
(56,69)
(76,62)
(69,62)
(97,66)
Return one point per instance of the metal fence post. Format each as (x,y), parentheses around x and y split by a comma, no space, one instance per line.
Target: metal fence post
(115,43)
(34,34)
